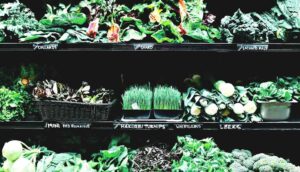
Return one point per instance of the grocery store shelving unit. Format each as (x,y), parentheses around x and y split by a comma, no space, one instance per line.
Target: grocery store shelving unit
(216,47)
(107,61)
(119,126)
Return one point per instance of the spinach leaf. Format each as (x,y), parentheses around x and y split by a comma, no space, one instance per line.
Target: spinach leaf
(12,105)
(62,16)
(15,20)
(131,34)
(114,159)
(168,33)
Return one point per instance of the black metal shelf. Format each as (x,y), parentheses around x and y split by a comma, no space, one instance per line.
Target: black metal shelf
(215,47)
(119,125)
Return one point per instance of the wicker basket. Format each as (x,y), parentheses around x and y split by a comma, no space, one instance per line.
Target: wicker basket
(73,111)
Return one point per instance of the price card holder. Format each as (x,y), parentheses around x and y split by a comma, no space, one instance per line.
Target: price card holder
(67,125)
(188,126)
(45,47)
(140,126)
(230,126)
(252,47)
(143,46)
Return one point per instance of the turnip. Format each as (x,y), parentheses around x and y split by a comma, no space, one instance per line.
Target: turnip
(12,150)
(23,165)
(211,109)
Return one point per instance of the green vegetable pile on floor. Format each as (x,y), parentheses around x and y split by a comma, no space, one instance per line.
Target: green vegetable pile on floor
(187,155)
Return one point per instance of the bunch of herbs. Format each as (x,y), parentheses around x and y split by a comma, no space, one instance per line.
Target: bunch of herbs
(12,105)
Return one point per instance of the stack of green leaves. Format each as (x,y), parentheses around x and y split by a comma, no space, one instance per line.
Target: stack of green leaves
(108,21)
(281,23)
(115,159)
(137,98)
(12,105)
(16,20)
(167,98)
(282,90)
(200,155)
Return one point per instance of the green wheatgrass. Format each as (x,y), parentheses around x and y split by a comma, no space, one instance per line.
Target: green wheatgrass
(140,95)
(167,98)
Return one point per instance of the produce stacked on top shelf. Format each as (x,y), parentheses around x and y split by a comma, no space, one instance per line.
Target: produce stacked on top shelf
(281,23)
(107,21)
(188,154)
(158,20)
(52,90)
(15,21)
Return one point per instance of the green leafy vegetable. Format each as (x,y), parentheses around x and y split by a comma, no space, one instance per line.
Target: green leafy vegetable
(62,16)
(194,24)
(169,33)
(12,105)
(200,155)
(282,90)
(15,20)
(132,34)
(114,159)
(245,28)
(63,162)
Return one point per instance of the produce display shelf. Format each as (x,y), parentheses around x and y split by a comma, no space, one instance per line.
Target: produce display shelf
(215,47)
(119,125)
(22,125)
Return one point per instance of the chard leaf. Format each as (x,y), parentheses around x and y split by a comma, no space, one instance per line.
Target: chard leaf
(77,18)
(132,34)
(169,33)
